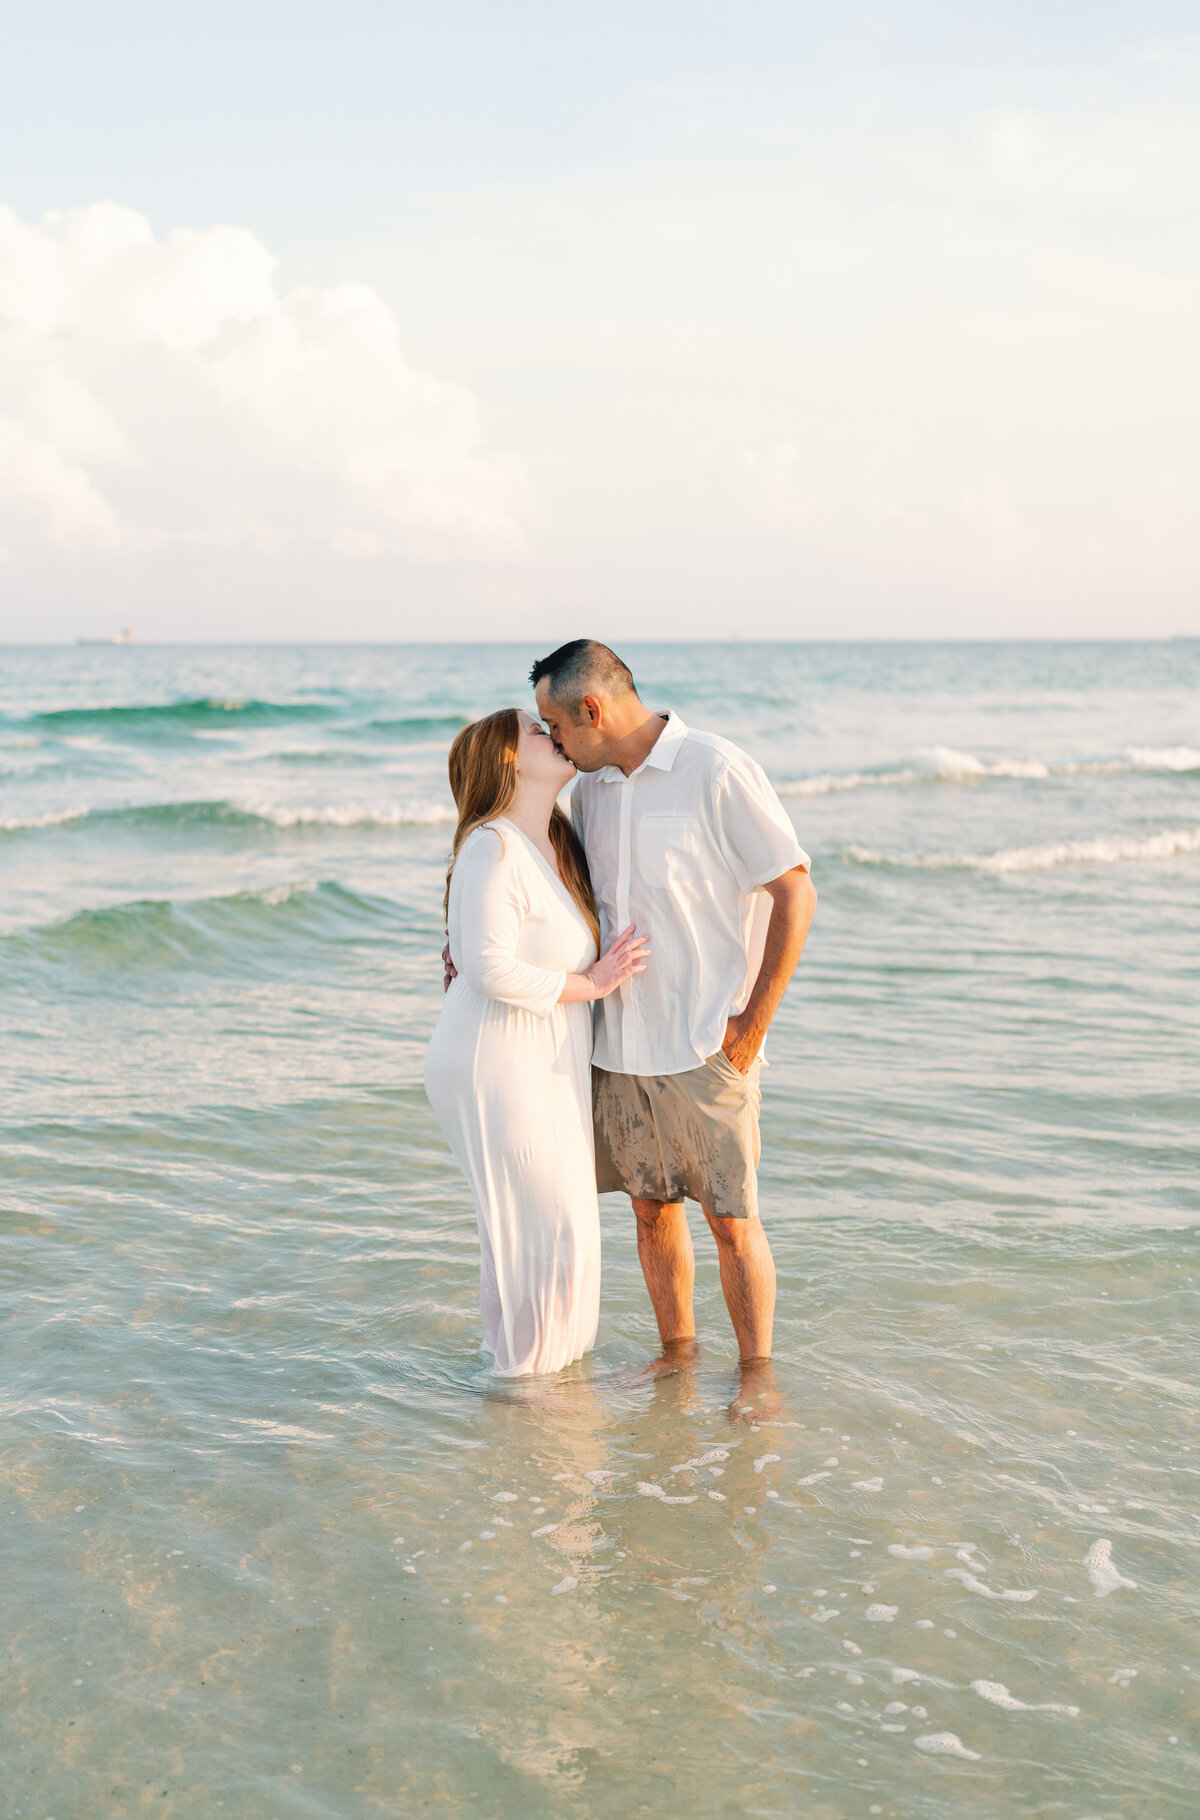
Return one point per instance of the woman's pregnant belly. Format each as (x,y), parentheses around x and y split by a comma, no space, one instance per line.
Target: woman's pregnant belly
(487,1058)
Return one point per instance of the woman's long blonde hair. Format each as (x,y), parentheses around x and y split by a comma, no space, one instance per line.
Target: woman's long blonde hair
(483,778)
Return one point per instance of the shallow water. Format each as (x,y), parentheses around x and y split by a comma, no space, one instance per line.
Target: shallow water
(278,1547)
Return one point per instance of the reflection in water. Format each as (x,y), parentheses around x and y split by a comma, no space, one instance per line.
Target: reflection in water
(639,1497)
(557,1428)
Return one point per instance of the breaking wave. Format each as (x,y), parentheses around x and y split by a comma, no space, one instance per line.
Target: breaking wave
(945,765)
(184,716)
(413,814)
(53,818)
(207,712)
(1105,851)
(260,930)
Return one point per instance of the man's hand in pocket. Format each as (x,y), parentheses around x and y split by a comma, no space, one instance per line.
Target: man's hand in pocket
(740,1046)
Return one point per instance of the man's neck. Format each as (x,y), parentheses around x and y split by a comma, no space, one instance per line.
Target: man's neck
(635,747)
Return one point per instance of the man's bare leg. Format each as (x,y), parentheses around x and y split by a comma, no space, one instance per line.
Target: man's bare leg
(748,1282)
(669,1267)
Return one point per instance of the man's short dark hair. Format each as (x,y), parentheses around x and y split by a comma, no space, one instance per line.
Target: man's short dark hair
(583,667)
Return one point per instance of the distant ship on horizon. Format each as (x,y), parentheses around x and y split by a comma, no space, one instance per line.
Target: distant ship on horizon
(126,636)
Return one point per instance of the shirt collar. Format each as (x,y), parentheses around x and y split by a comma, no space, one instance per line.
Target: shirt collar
(661,755)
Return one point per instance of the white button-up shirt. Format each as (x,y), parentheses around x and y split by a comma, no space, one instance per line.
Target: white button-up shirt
(682,847)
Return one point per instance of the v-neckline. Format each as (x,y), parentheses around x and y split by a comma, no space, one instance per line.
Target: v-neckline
(552,872)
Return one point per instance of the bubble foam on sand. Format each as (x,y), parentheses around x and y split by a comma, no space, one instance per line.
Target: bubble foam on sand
(945,1744)
(764,1460)
(504,1497)
(1101,1571)
(880,1614)
(987,1592)
(998,1694)
(868,1484)
(710,1458)
(568,1583)
(909,1554)
(813,1477)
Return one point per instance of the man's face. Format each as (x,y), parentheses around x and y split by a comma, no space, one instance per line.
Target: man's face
(573,734)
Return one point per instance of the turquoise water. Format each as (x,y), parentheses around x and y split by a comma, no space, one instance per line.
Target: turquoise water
(277,1547)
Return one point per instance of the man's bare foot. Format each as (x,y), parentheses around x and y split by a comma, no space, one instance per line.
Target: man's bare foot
(758,1398)
(675,1357)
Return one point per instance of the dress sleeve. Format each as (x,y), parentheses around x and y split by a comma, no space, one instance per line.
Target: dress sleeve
(491,911)
(753,827)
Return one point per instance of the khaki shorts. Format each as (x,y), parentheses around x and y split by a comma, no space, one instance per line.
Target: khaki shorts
(673,1137)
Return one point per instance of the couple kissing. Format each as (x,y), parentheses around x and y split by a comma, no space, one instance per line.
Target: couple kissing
(675,900)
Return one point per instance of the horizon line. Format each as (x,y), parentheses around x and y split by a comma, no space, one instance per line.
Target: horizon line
(160,644)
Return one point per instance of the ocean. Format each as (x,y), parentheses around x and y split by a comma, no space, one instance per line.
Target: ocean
(952,1566)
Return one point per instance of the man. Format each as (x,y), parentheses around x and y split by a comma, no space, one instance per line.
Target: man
(685,838)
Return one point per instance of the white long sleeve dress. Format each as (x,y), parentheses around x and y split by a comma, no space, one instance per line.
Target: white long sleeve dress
(508,1074)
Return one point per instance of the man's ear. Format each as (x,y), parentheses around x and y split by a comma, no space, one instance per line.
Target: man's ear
(591,710)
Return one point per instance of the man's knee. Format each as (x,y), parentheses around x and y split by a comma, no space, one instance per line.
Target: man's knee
(733,1235)
(651,1214)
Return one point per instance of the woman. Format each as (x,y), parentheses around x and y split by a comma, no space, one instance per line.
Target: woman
(508,1070)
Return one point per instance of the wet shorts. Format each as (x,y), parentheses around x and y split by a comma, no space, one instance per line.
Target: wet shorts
(673,1137)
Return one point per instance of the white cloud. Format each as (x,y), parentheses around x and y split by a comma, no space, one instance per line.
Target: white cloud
(159,393)
(52,495)
(878,380)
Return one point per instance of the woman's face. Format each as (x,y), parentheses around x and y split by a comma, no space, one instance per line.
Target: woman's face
(538,758)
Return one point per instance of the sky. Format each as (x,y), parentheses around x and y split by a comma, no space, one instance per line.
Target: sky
(528,320)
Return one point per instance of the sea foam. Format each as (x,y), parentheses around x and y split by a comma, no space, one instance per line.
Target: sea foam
(1101,1570)
(1012,1594)
(998,1695)
(945,1744)
(947,765)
